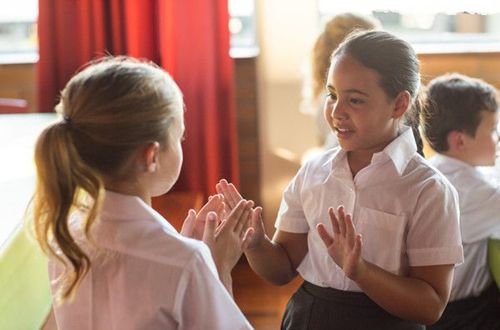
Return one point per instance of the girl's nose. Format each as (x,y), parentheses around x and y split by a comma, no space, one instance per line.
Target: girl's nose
(338,111)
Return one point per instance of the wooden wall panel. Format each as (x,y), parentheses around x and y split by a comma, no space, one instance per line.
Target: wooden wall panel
(18,81)
(485,66)
(248,130)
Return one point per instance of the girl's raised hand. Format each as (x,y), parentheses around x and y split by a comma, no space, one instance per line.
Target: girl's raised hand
(232,197)
(228,240)
(230,193)
(344,247)
(194,224)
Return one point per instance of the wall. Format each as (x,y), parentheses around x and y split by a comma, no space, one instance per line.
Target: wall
(286,30)
(272,134)
(18,81)
(485,66)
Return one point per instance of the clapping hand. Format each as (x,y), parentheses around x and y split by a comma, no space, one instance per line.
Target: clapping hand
(345,245)
(228,239)
(194,224)
(232,197)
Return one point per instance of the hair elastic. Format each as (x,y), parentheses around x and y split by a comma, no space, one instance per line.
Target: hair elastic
(67,120)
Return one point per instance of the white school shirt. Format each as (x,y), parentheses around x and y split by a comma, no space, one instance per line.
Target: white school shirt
(479,219)
(153,278)
(405,210)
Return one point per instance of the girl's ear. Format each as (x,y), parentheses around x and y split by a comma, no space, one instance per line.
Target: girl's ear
(151,156)
(455,141)
(401,104)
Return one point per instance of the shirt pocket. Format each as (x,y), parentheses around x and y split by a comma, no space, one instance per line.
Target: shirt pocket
(382,235)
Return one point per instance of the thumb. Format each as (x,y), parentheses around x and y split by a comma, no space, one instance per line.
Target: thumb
(256,217)
(188,224)
(210,226)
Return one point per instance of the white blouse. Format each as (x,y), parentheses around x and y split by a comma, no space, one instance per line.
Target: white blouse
(150,277)
(479,219)
(406,211)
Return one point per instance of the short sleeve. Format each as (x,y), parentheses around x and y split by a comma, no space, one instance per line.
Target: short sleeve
(202,302)
(480,210)
(433,236)
(291,217)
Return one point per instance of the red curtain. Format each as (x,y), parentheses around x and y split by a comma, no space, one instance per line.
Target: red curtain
(189,38)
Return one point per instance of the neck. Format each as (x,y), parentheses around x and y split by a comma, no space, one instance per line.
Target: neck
(358,160)
(128,188)
(459,156)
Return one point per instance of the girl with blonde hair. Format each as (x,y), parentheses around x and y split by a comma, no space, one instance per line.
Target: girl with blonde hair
(115,263)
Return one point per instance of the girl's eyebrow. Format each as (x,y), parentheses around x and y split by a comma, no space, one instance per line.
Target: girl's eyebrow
(351,90)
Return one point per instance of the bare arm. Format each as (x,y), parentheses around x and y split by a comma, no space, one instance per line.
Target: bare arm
(420,297)
(277,260)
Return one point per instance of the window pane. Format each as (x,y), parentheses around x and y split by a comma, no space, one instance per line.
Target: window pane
(18,32)
(460,26)
(242,28)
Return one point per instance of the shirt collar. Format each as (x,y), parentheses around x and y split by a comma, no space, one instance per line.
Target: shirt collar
(336,156)
(120,207)
(399,151)
(450,163)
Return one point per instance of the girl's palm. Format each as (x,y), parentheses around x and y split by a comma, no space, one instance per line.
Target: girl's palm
(344,247)
(232,197)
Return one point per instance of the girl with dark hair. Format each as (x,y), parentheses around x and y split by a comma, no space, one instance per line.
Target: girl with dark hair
(385,260)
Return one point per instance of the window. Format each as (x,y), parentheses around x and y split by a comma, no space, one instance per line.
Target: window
(242,28)
(458,26)
(18,31)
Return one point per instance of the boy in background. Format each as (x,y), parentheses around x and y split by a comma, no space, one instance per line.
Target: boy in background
(460,123)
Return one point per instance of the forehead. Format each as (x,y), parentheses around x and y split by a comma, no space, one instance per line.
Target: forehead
(348,73)
(489,117)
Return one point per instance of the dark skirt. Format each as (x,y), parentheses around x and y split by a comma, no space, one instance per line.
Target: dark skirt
(316,308)
(477,313)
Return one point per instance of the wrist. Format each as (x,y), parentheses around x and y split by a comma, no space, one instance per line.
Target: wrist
(256,246)
(227,281)
(361,272)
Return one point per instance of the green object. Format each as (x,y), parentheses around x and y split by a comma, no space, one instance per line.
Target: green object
(24,285)
(494,259)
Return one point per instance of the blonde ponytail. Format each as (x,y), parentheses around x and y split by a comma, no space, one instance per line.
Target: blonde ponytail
(63,180)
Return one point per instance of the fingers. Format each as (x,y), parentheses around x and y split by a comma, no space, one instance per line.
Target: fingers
(256,217)
(247,237)
(334,221)
(350,231)
(341,220)
(231,221)
(325,236)
(188,224)
(358,246)
(344,226)
(220,226)
(214,203)
(239,217)
(242,221)
(210,227)
(229,191)
(221,209)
